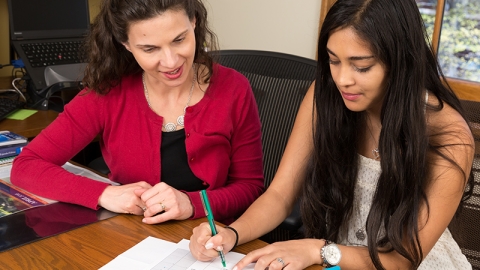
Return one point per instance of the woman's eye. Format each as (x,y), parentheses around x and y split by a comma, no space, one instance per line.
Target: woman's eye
(148,50)
(333,62)
(179,40)
(362,70)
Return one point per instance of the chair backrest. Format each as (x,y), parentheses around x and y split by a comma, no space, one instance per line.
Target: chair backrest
(469,220)
(279,82)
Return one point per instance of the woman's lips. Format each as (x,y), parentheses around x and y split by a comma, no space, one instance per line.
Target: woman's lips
(174,74)
(350,97)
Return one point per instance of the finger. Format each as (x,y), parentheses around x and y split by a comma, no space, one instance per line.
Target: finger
(215,242)
(200,253)
(261,263)
(139,191)
(277,264)
(161,217)
(134,206)
(201,234)
(149,194)
(155,209)
(144,185)
(143,207)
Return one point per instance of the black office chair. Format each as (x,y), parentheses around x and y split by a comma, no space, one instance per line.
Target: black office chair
(465,229)
(279,82)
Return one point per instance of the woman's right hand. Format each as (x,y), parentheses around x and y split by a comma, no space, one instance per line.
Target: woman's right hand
(122,199)
(204,247)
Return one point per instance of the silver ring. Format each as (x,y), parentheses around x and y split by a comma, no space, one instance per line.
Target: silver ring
(281,261)
(144,209)
(163,207)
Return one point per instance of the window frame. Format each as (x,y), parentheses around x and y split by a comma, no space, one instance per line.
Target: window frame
(464,89)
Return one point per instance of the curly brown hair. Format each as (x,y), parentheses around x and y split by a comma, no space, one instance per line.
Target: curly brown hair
(109,60)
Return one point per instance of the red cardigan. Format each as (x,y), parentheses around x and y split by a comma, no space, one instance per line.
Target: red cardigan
(223,142)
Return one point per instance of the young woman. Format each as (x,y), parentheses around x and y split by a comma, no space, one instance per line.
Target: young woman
(170,121)
(380,154)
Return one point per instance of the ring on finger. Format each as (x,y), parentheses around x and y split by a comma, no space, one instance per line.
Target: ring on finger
(163,207)
(281,261)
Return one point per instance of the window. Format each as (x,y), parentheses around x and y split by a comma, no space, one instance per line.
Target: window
(454,29)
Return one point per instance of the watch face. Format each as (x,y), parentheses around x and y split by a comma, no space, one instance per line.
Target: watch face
(332,254)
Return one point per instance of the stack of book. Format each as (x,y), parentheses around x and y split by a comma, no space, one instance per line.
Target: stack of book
(11,145)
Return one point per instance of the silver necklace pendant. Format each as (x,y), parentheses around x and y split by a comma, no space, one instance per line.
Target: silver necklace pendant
(376,153)
(169,127)
(180,120)
(360,234)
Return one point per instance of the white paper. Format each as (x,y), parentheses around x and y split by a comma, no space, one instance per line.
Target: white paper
(5,172)
(87,173)
(157,254)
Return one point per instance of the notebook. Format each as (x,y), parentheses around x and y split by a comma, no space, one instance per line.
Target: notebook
(47,33)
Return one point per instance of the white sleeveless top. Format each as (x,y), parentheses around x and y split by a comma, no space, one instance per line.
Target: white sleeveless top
(446,253)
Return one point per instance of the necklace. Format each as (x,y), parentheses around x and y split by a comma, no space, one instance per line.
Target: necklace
(169,127)
(375,152)
(360,234)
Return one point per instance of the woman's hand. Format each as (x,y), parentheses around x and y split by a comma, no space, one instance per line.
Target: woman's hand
(165,203)
(204,247)
(124,199)
(293,254)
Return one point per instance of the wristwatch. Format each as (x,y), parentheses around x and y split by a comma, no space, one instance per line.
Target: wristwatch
(331,254)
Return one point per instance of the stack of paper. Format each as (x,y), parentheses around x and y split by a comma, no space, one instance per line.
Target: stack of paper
(155,254)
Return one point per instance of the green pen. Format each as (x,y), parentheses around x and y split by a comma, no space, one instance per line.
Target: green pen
(208,212)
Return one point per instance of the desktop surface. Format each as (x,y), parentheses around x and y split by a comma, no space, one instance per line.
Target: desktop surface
(92,246)
(44,221)
(32,125)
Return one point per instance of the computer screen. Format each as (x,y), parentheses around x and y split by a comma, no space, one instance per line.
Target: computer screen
(48,18)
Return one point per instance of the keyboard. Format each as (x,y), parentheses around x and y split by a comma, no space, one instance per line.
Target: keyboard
(54,53)
(7,106)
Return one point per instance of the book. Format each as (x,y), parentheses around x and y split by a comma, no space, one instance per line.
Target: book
(10,138)
(6,161)
(11,150)
(14,199)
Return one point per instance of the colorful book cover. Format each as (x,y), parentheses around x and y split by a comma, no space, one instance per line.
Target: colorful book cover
(10,138)
(14,199)
(13,150)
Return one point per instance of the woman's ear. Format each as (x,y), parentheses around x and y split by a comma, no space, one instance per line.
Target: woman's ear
(127,46)
(194,22)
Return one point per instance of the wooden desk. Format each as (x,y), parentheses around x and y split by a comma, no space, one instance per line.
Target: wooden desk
(94,245)
(31,126)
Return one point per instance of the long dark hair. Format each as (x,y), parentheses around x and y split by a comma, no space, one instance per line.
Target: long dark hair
(395,32)
(109,61)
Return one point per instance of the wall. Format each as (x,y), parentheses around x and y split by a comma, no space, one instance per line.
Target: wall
(289,26)
(5,38)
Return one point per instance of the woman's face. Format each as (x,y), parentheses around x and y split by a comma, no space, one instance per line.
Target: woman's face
(164,47)
(359,76)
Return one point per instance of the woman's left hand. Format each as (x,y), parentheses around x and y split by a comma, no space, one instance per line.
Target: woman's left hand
(163,203)
(293,254)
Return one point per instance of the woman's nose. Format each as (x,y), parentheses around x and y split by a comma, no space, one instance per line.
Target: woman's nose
(168,58)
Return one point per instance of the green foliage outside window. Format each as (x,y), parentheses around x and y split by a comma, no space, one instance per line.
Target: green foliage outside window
(459,49)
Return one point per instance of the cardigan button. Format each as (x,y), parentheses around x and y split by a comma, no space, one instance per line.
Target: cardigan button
(188,135)
(189,110)
(192,159)
(204,183)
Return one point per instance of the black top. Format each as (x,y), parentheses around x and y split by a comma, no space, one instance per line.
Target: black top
(175,170)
